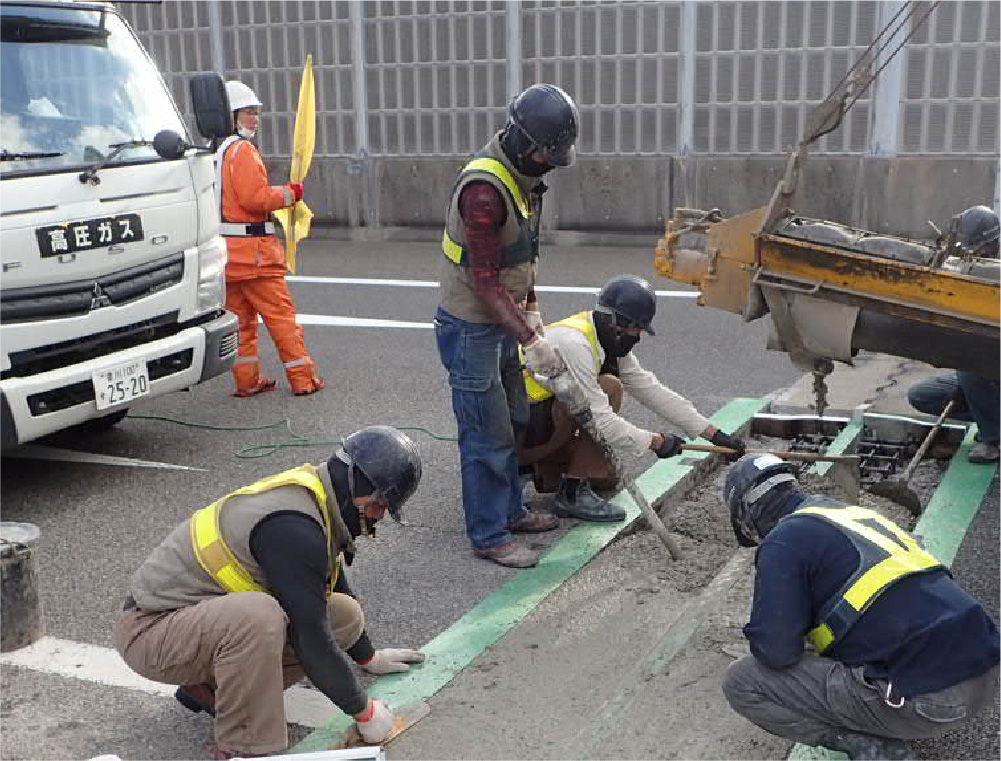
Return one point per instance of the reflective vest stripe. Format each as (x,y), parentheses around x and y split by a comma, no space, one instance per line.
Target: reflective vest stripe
(903,556)
(215,556)
(580,322)
(452,249)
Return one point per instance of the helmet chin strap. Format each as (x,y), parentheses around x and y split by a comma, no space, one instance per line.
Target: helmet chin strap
(367,525)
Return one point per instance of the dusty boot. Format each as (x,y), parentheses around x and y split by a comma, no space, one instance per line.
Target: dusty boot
(512,555)
(576,499)
(985,451)
(863,747)
(197,698)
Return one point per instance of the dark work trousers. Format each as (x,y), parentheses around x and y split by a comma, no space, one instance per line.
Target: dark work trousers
(820,695)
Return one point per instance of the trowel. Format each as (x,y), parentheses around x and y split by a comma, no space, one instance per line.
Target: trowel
(406,717)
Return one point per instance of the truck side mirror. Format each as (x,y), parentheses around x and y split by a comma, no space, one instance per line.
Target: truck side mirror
(169,145)
(211,105)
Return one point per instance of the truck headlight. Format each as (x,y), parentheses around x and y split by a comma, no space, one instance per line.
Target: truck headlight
(212,275)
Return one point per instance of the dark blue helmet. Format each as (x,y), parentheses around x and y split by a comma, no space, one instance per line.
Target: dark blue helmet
(388,459)
(545,119)
(747,482)
(977,231)
(631,299)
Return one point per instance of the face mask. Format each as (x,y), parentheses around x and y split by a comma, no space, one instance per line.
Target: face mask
(614,343)
(246,133)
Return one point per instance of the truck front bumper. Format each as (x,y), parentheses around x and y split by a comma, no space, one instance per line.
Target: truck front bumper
(192,355)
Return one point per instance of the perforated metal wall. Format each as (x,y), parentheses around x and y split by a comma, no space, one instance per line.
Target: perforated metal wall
(437,76)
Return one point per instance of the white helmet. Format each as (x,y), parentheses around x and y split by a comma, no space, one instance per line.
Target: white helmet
(240,96)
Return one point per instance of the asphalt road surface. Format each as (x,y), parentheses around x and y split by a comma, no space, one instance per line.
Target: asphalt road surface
(99,521)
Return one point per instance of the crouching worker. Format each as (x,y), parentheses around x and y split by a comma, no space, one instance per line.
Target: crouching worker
(597,347)
(249,594)
(898,650)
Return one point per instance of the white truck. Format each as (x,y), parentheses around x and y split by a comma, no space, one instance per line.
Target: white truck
(112,286)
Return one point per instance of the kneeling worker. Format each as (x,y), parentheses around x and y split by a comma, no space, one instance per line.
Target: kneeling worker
(899,650)
(597,347)
(248,595)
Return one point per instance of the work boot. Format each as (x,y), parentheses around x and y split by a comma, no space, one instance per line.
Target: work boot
(985,451)
(576,499)
(197,698)
(512,555)
(534,523)
(864,747)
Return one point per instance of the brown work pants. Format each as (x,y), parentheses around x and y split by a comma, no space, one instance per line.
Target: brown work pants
(567,450)
(237,643)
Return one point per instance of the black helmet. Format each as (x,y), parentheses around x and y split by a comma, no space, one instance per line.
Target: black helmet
(388,459)
(977,231)
(750,479)
(631,300)
(545,118)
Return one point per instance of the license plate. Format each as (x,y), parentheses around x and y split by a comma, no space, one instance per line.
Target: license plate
(119,384)
(56,240)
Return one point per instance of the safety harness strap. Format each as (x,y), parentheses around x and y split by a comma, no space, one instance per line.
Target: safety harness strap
(887,554)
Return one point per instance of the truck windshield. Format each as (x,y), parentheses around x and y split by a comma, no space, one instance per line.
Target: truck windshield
(74,83)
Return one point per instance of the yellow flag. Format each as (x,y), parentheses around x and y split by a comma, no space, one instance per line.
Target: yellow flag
(296,219)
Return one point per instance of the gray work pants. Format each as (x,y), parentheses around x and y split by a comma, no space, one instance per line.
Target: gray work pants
(237,644)
(818,695)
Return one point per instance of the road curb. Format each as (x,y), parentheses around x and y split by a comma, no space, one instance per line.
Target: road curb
(501,610)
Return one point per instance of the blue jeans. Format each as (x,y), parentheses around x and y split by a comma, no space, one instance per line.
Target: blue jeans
(979,402)
(491,408)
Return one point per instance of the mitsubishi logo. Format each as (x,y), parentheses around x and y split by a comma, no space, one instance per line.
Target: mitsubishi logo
(99,298)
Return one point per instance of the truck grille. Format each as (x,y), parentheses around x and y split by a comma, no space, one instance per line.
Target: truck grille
(79,297)
(63,398)
(43,358)
(229,344)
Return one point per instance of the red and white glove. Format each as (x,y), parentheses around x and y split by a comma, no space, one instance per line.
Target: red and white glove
(391,660)
(375,723)
(296,191)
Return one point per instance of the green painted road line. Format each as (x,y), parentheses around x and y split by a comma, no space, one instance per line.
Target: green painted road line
(955,503)
(942,526)
(497,613)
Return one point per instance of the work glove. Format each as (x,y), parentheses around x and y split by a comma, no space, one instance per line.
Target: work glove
(543,358)
(534,320)
(379,723)
(671,446)
(296,191)
(390,660)
(724,439)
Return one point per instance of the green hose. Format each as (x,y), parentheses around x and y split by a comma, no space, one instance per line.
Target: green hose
(294,440)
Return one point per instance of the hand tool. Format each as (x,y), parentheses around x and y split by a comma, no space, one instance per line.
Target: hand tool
(406,717)
(897,488)
(805,456)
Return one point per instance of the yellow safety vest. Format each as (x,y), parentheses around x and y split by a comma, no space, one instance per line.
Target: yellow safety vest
(216,557)
(887,554)
(582,322)
(491,166)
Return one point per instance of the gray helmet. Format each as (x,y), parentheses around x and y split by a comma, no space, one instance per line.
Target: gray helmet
(547,119)
(750,479)
(388,459)
(977,231)
(631,299)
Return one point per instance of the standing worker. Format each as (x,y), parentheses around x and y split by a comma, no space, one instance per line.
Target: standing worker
(489,307)
(899,650)
(249,594)
(597,347)
(255,269)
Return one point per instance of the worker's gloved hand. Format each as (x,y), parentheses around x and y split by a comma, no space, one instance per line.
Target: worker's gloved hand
(543,358)
(669,447)
(534,320)
(390,660)
(724,439)
(296,191)
(375,722)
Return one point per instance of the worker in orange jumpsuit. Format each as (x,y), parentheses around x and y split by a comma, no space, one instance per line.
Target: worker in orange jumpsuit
(255,269)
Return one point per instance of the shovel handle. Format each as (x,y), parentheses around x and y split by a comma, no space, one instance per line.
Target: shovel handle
(806,456)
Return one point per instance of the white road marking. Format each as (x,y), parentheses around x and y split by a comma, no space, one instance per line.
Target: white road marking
(90,663)
(356,322)
(37,452)
(435,284)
